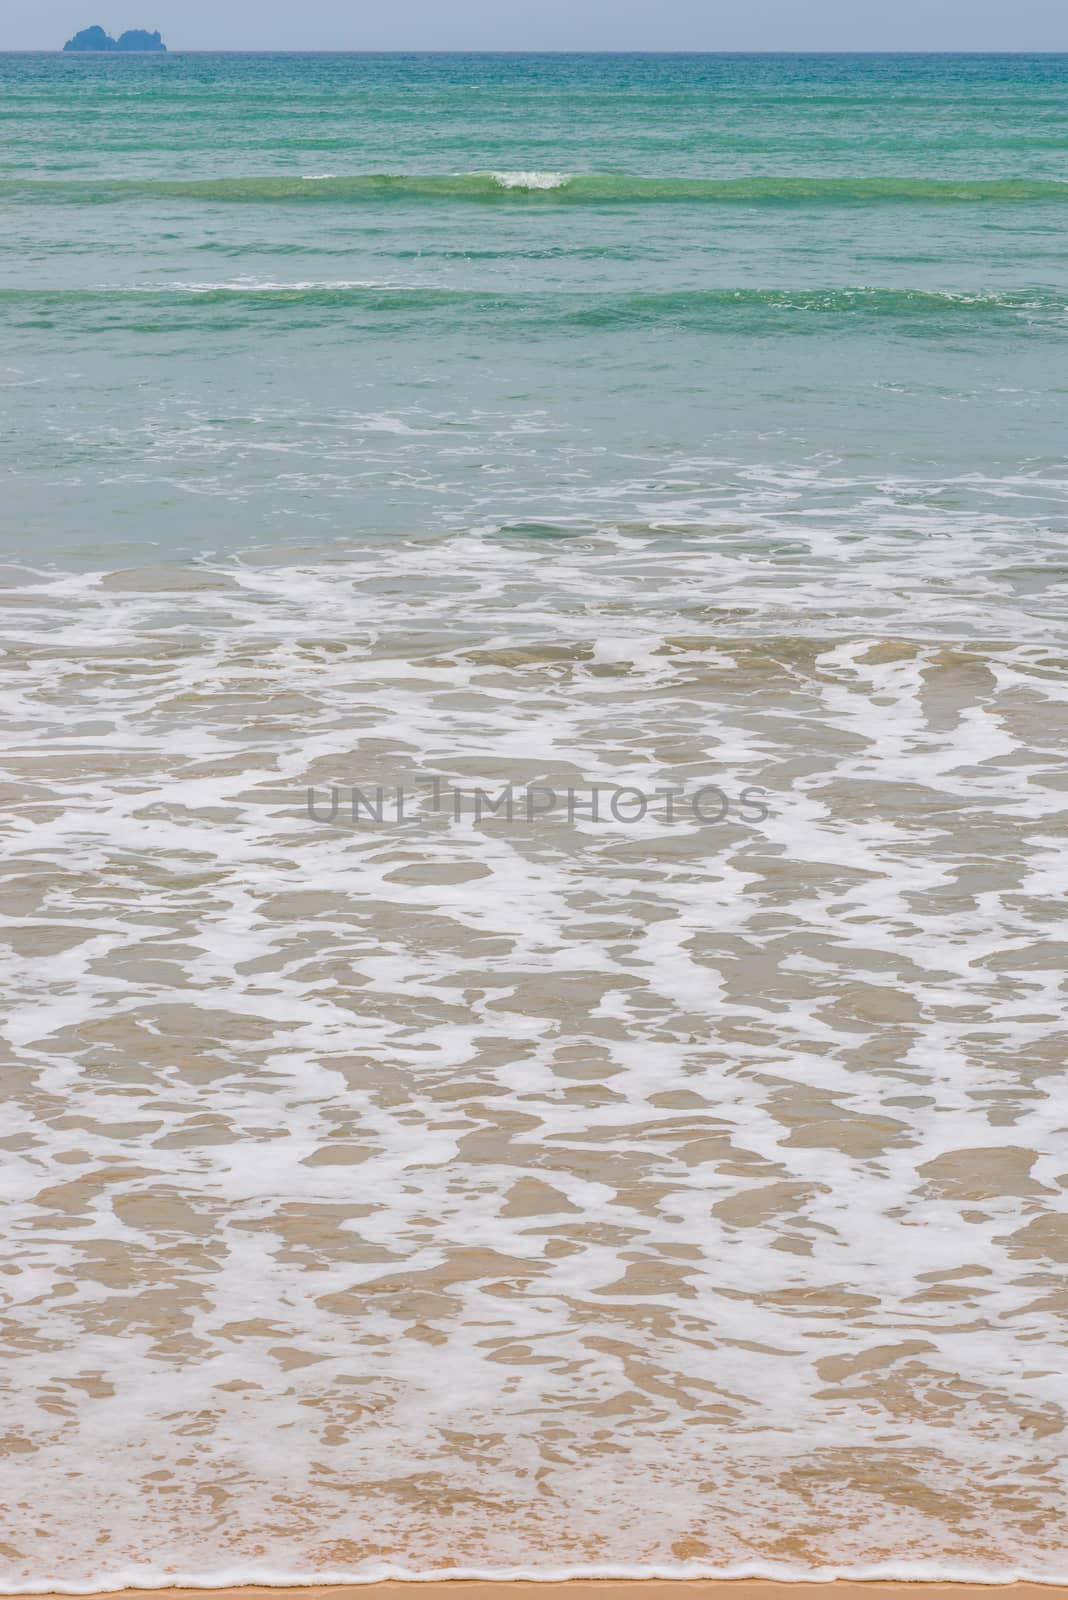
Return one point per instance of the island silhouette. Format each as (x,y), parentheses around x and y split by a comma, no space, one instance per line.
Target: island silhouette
(133,39)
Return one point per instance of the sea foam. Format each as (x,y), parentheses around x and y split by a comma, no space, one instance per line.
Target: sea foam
(464,1190)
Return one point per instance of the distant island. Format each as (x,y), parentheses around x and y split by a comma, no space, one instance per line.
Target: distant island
(133,39)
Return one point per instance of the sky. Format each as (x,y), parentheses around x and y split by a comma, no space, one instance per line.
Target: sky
(551,24)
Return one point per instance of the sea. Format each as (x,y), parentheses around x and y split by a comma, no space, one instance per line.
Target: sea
(533,666)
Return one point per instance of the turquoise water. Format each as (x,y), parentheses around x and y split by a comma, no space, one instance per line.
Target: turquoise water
(570,275)
(641,1191)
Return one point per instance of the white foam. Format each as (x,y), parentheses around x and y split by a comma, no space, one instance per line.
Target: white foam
(247,285)
(532,180)
(682,1572)
(690,1182)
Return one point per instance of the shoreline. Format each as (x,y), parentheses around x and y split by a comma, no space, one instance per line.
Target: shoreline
(591,1588)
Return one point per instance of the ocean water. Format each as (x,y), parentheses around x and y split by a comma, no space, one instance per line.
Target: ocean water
(679,1188)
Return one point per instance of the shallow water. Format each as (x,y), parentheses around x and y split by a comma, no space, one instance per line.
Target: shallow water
(655,1190)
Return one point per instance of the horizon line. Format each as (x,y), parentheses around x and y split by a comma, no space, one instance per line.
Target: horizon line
(554,50)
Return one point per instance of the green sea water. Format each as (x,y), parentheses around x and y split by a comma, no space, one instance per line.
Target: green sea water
(274,299)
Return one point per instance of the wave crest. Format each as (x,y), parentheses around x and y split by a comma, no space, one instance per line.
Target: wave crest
(552,188)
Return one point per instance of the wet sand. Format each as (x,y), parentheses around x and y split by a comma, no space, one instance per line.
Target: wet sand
(609,1589)
(710,1168)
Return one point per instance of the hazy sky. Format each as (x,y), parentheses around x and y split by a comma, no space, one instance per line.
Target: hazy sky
(552,24)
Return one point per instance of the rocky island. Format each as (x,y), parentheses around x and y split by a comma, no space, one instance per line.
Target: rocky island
(133,39)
